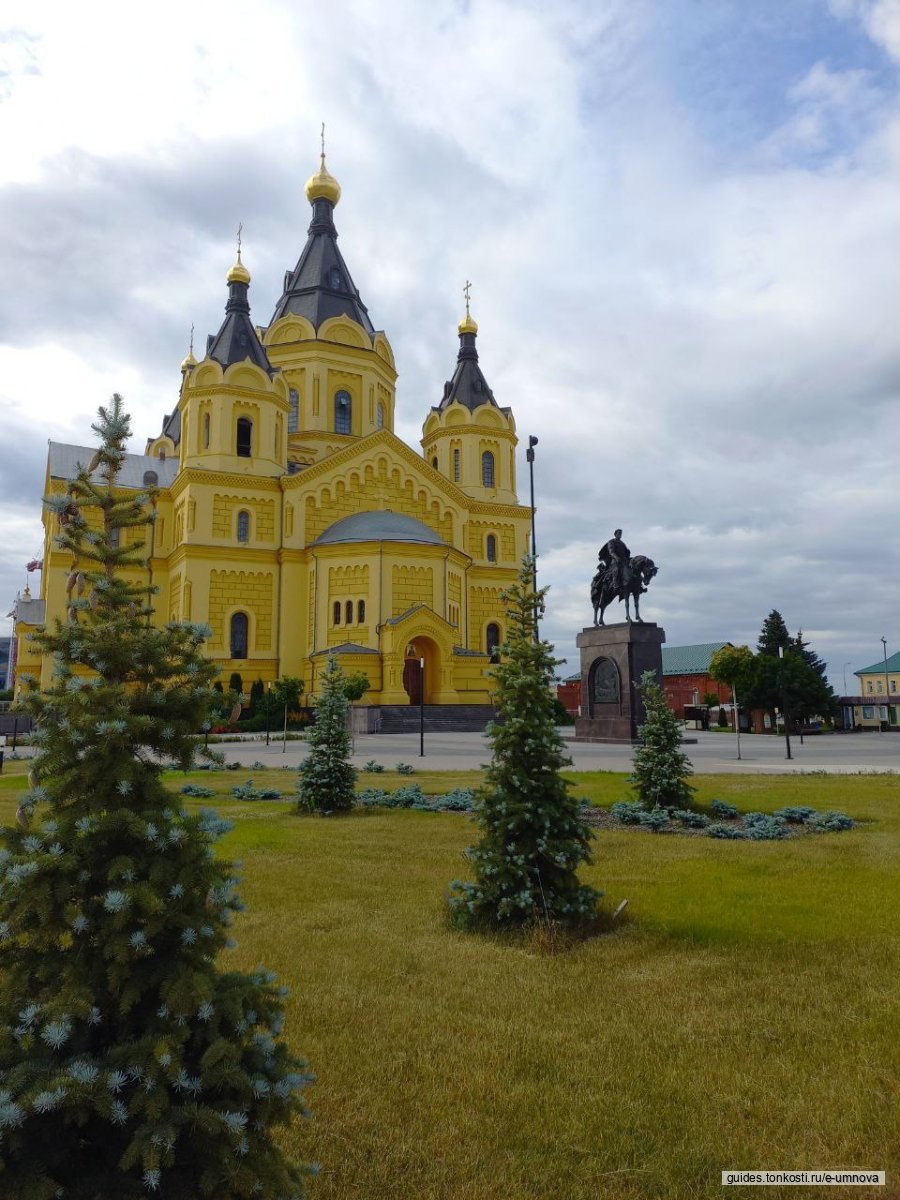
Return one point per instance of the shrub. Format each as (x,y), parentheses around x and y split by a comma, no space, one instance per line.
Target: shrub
(374,767)
(406,797)
(693,820)
(405,769)
(372,797)
(724,810)
(830,822)
(720,830)
(761,827)
(247,791)
(457,800)
(656,820)
(628,812)
(197,790)
(795,814)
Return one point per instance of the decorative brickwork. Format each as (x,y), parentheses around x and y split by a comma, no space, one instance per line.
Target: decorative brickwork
(262,513)
(412,585)
(250,591)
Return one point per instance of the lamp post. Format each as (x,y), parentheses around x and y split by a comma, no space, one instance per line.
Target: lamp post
(784,707)
(737,720)
(529,455)
(268,697)
(421,708)
(887,689)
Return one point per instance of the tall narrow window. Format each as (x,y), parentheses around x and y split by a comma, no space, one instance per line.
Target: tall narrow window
(492,641)
(361,612)
(294,411)
(491,548)
(240,625)
(379,416)
(456,466)
(244,446)
(243,526)
(206,431)
(434,463)
(343,412)
(487,469)
(336,613)
(348,613)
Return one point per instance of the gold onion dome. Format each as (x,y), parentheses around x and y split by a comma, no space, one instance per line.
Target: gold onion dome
(238,273)
(188,363)
(468,324)
(322,185)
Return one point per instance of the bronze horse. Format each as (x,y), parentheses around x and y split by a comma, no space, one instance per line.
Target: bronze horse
(605,587)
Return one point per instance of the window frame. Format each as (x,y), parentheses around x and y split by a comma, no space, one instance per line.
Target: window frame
(488,469)
(343,403)
(234,637)
(243,518)
(243,447)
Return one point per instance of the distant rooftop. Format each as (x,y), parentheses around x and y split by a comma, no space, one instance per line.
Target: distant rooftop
(689,660)
(64,460)
(879,668)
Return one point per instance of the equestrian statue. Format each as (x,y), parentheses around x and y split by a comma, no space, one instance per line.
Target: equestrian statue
(620,577)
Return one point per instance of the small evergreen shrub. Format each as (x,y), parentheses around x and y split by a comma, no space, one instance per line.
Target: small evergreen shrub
(372,798)
(373,767)
(719,829)
(406,797)
(198,790)
(457,800)
(761,827)
(628,812)
(247,791)
(689,818)
(830,822)
(405,769)
(724,810)
(661,768)
(326,778)
(795,814)
(655,820)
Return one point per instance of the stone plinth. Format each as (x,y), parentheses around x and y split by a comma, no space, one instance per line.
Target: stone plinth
(613,659)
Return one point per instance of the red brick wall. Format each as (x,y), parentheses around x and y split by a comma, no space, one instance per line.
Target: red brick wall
(680,690)
(569,695)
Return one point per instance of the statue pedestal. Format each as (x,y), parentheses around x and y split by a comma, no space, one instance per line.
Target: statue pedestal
(613,659)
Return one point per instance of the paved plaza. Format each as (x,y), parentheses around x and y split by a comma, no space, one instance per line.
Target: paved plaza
(712,753)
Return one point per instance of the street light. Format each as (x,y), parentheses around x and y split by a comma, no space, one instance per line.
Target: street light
(421,708)
(844,671)
(529,455)
(268,698)
(887,689)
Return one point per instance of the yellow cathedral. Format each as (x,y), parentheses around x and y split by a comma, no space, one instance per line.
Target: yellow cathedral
(293,520)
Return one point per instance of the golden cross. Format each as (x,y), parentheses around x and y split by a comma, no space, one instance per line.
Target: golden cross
(240,228)
(323,142)
(192,340)
(466,291)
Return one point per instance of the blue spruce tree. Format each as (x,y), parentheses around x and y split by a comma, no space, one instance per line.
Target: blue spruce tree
(326,777)
(533,839)
(661,769)
(130,1064)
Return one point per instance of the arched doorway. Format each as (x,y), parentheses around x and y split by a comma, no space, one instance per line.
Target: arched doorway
(418,650)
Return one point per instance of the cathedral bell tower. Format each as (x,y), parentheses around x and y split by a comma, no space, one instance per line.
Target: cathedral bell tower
(468,437)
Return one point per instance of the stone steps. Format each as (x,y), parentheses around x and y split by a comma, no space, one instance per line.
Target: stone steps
(446,718)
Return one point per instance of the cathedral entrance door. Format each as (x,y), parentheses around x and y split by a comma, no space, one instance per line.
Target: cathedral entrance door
(412,678)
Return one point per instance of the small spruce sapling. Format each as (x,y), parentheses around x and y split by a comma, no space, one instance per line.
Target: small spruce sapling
(130,1065)
(533,839)
(326,778)
(661,768)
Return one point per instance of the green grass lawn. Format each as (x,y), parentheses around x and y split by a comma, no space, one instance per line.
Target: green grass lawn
(745,1015)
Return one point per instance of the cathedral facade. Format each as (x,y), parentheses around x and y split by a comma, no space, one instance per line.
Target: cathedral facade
(293,520)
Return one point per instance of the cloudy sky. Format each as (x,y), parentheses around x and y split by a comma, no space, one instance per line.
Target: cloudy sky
(681,219)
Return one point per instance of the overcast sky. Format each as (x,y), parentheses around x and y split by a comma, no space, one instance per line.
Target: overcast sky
(681,219)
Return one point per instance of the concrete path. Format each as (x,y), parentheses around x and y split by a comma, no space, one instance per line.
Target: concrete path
(713,753)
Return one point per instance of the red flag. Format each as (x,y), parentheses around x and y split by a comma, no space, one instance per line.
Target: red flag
(36,564)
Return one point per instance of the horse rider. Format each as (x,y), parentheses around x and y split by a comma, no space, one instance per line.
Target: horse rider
(618,556)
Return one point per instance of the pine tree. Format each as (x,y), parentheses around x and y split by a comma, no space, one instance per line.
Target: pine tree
(773,635)
(327,779)
(130,1066)
(661,768)
(809,655)
(532,837)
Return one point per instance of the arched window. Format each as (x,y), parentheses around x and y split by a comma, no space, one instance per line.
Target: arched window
(243,526)
(492,641)
(151,479)
(434,462)
(361,612)
(491,548)
(244,447)
(348,613)
(336,612)
(206,431)
(240,625)
(456,466)
(379,416)
(487,469)
(343,412)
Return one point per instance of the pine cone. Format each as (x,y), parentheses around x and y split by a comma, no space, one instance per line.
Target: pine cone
(94,601)
(70,582)
(23,818)
(235,712)
(32,778)
(94,463)
(79,583)
(72,614)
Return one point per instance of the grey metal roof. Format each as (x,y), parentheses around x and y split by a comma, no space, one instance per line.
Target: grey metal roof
(468,385)
(378,527)
(320,286)
(30,612)
(63,463)
(236,340)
